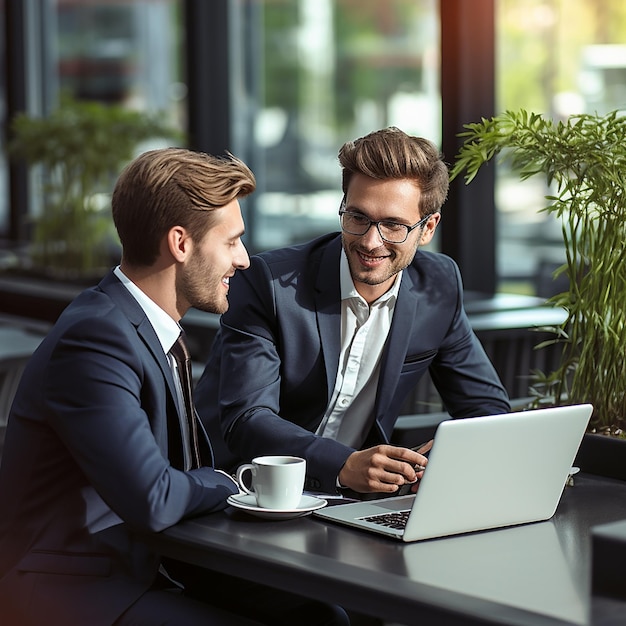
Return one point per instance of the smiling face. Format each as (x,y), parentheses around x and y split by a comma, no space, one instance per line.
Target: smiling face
(374,263)
(204,279)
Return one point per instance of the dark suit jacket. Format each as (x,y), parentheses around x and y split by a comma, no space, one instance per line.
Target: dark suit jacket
(275,358)
(85,463)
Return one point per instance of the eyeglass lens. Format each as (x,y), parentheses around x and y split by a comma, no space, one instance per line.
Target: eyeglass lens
(356,224)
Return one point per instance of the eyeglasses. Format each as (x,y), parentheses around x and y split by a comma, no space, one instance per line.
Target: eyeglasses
(391,232)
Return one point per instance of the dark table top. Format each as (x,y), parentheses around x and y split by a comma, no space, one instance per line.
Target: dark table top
(533,574)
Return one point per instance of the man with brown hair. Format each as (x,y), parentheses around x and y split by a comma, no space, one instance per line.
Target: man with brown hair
(100,441)
(325,340)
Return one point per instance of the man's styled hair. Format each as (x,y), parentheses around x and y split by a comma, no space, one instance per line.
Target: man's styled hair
(173,187)
(391,153)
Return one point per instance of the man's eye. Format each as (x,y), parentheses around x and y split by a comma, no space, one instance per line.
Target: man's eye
(392,226)
(359,219)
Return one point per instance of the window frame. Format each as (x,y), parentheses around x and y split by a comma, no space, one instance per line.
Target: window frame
(212,32)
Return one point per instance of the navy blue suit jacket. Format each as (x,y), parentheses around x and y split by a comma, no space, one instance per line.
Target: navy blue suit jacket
(276,354)
(85,463)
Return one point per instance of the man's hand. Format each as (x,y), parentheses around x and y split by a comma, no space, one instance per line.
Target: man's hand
(383,468)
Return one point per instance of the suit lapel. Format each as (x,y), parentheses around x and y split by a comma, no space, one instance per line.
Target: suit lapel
(394,353)
(328,310)
(136,315)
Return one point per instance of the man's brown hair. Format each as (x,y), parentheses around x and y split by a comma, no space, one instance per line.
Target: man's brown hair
(173,187)
(392,154)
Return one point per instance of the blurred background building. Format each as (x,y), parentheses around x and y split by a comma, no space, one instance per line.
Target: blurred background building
(284,83)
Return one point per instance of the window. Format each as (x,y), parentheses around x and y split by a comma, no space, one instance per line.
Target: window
(556,57)
(116,52)
(123,52)
(4,182)
(330,71)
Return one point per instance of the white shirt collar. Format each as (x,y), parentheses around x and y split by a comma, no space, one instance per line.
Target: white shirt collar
(167,330)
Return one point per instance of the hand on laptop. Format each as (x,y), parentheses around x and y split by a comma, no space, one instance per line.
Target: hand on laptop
(383,468)
(411,488)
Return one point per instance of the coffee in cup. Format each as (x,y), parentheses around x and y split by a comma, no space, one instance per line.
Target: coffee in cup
(276,481)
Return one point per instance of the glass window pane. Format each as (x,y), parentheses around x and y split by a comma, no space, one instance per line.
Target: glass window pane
(331,71)
(555,57)
(122,52)
(92,53)
(4,190)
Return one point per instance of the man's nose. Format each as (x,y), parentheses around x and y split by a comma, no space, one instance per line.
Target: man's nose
(242,260)
(372,237)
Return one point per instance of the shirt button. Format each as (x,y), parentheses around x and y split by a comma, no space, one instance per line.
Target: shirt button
(344,401)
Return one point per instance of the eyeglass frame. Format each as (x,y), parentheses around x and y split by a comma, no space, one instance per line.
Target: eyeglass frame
(409,229)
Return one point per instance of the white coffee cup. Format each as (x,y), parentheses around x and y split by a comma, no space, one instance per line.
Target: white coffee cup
(277,481)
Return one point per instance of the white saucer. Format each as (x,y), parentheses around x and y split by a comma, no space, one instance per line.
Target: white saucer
(248,503)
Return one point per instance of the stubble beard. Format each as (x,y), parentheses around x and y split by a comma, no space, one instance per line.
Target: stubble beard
(369,277)
(194,284)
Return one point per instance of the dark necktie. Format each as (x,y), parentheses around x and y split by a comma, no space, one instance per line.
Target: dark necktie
(189,428)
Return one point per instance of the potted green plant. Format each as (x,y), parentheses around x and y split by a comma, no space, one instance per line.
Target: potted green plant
(583,161)
(82,146)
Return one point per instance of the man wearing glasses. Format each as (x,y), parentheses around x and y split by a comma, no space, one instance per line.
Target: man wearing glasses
(325,340)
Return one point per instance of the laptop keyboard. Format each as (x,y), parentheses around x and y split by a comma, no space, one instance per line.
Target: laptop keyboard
(395,519)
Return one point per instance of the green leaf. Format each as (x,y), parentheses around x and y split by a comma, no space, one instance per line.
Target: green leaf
(584,159)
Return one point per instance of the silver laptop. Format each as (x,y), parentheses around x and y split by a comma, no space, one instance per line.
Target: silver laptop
(483,472)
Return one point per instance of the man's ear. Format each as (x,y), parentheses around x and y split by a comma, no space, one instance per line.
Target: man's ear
(179,243)
(429,228)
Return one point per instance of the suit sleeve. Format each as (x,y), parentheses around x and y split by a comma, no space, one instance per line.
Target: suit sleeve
(102,391)
(251,362)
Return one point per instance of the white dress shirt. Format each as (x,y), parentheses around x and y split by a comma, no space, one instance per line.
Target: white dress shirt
(364,330)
